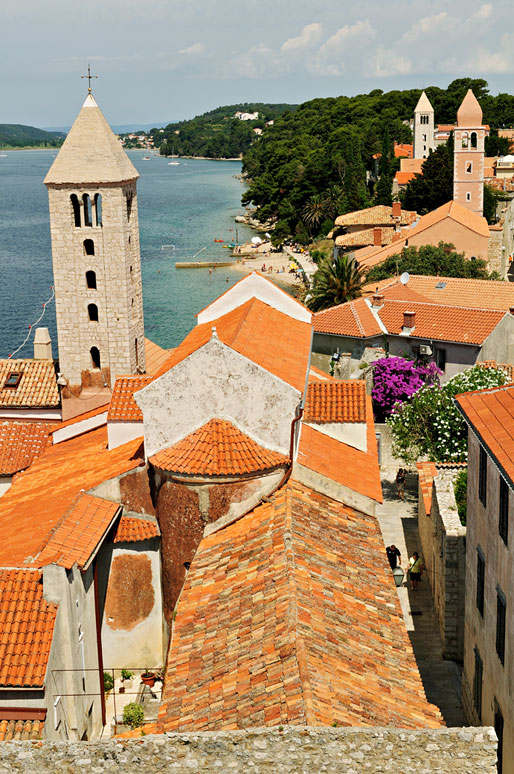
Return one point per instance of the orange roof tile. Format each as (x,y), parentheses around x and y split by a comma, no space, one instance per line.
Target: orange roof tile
(290,616)
(37,387)
(471,293)
(403,150)
(123,407)
(490,413)
(20,730)
(155,356)
(404,178)
(78,533)
(336,401)
(268,337)
(358,470)
(26,628)
(40,496)
(351,319)
(426,474)
(21,443)
(132,529)
(217,449)
(365,236)
(375,216)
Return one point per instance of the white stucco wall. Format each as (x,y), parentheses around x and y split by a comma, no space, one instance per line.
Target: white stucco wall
(5,483)
(352,433)
(77,428)
(216,381)
(41,413)
(119,433)
(254,286)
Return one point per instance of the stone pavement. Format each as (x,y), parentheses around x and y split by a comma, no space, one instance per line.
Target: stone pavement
(399,524)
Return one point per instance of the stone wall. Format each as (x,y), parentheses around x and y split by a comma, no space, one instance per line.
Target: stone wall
(267,751)
(443,547)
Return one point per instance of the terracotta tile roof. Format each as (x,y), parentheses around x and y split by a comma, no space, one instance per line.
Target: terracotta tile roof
(426,472)
(26,628)
(37,387)
(74,539)
(336,401)
(365,236)
(358,470)
(403,150)
(490,413)
(81,417)
(123,407)
(290,616)
(132,529)
(435,321)
(375,216)
(20,730)
(39,498)
(411,165)
(472,293)
(155,356)
(404,178)
(270,338)
(21,443)
(217,449)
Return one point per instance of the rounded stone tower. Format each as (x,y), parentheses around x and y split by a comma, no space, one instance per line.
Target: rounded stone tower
(468,163)
(95,251)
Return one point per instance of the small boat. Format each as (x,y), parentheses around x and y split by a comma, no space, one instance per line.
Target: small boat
(146,158)
(174,163)
(219,240)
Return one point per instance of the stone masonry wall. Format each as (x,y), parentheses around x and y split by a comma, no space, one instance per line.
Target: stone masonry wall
(295,750)
(443,546)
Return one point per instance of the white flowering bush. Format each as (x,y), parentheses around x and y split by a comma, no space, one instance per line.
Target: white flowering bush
(428,425)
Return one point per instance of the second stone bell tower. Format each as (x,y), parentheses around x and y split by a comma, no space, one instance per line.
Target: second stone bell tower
(95,250)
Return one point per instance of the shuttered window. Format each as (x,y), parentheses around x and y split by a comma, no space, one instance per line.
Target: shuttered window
(480,581)
(482,477)
(503,522)
(501,607)
(477,684)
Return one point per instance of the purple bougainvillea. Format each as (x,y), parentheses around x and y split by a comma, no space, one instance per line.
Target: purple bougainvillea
(396,379)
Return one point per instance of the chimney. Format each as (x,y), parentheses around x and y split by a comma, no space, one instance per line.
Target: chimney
(511,310)
(377,237)
(42,345)
(397,209)
(377,299)
(409,321)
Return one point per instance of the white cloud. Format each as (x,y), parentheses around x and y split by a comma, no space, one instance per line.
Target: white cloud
(330,58)
(484,12)
(310,35)
(197,49)
(428,25)
(386,63)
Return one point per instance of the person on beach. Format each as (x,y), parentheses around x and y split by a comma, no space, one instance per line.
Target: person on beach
(415,570)
(400,483)
(394,556)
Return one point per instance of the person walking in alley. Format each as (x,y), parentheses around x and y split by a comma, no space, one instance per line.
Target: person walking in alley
(394,556)
(400,483)
(415,570)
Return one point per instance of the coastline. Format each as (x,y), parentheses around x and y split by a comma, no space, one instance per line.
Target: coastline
(276,261)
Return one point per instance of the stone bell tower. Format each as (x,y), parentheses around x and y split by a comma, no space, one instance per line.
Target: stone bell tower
(423,128)
(95,250)
(468,158)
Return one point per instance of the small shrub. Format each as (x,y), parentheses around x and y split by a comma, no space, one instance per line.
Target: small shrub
(108,682)
(126,674)
(460,487)
(133,714)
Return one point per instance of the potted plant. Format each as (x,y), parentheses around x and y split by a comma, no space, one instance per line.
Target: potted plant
(133,714)
(148,678)
(126,677)
(108,682)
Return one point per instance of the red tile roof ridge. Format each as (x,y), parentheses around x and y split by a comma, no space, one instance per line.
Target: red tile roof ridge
(439,305)
(357,318)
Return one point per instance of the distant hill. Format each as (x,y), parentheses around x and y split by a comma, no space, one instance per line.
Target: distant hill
(117,129)
(20,136)
(217,133)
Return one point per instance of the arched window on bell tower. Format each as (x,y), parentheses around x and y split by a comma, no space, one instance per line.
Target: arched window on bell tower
(95,357)
(89,247)
(92,311)
(98,209)
(473,140)
(76,209)
(88,216)
(91,280)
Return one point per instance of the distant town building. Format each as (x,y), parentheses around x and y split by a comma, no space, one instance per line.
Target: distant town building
(246,116)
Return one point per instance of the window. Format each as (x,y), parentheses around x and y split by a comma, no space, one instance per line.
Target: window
(89,247)
(464,139)
(129,205)
(137,352)
(473,139)
(424,138)
(503,521)
(468,196)
(13,380)
(95,357)
(76,209)
(92,311)
(482,476)
(469,167)
(477,684)
(501,607)
(480,581)
(86,201)
(498,727)
(91,280)
(98,209)
(440,358)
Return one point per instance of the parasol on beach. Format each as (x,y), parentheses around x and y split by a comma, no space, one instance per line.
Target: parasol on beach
(256,240)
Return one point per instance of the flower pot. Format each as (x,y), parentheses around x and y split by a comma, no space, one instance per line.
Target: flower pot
(148,680)
(122,689)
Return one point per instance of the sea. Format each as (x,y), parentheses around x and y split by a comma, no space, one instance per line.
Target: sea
(182,210)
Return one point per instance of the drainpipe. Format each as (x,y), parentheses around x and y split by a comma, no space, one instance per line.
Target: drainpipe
(99,642)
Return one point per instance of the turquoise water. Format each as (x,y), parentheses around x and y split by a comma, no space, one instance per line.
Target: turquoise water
(186,206)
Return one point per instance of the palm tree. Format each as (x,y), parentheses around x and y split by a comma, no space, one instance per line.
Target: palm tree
(314,211)
(335,282)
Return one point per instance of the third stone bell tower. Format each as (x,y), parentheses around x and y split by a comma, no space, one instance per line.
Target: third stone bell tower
(95,250)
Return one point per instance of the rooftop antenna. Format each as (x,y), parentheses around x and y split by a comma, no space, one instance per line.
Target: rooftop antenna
(89,76)
(404,278)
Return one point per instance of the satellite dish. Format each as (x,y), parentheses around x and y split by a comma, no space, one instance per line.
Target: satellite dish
(404,278)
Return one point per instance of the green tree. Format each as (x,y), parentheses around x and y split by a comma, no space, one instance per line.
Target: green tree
(314,212)
(335,282)
(442,261)
(429,425)
(495,145)
(434,186)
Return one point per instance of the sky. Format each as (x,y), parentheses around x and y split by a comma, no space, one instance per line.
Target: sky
(166,60)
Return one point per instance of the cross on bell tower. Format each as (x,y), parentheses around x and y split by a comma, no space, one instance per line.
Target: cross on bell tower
(89,76)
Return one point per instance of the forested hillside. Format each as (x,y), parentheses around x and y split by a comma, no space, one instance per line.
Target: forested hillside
(321,160)
(217,134)
(20,136)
